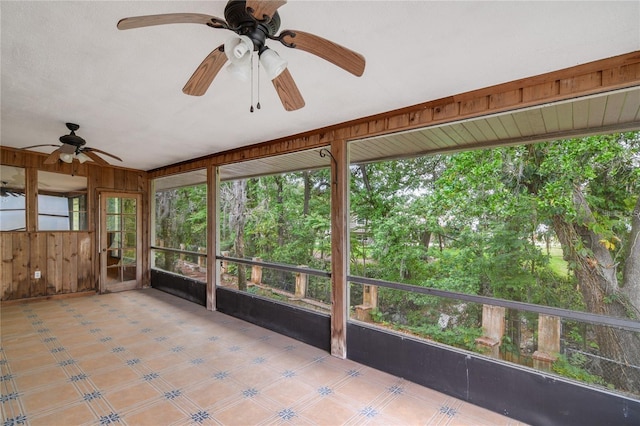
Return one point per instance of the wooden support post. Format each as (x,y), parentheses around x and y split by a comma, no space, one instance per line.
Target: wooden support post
(302,280)
(256,272)
(493,327)
(182,247)
(339,246)
(31,191)
(549,330)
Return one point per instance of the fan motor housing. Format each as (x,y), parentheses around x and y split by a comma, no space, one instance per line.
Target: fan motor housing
(72,140)
(243,23)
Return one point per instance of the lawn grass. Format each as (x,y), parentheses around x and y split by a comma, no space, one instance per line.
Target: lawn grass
(556,263)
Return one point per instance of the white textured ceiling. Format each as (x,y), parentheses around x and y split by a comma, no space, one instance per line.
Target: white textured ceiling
(65,61)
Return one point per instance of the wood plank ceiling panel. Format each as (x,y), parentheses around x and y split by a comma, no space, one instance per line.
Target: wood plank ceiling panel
(497,127)
(356,153)
(536,121)
(433,138)
(416,141)
(615,104)
(510,126)
(413,142)
(303,160)
(487,130)
(565,116)
(580,114)
(374,147)
(631,111)
(452,135)
(523,123)
(597,107)
(442,138)
(550,117)
(474,130)
(463,133)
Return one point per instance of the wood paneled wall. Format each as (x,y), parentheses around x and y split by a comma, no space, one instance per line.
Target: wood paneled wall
(64,260)
(68,261)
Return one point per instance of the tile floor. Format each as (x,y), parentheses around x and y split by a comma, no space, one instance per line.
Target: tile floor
(149,358)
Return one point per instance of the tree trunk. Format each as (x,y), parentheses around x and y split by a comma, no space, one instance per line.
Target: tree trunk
(280,206)
(425,238)
(238,218)
(166,227)
(596,275)
(307,193)
(631,276)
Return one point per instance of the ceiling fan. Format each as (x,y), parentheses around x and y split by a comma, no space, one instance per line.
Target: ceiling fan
(254,22)
(73,147)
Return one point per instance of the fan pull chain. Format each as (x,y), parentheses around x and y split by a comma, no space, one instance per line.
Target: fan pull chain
(251,109)
(258,105)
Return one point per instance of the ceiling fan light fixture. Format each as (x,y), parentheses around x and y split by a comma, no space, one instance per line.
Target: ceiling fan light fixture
(240,71)
(238,48)
(82,158)
(67,158)
(272,63)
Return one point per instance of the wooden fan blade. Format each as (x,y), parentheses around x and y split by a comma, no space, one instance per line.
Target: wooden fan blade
(101,152)
(53,157)
(264,9)
(37,146)
(288,91)
(346,59)
(206,72)
(95,157)
(167,18)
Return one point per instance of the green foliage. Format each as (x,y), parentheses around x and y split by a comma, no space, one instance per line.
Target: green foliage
(181,217)
(460,337)
(508,345)
(573,368)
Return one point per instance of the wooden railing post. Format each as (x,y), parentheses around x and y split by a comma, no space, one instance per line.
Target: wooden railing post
(549,329)
(302,280)
(369,303)
(202,260)
(224,268)
(256,272)
(493,327)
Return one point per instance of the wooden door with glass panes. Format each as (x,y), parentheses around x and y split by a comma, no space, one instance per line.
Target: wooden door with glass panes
(120,242)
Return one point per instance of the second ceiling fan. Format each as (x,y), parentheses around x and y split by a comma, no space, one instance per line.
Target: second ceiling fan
(254,22)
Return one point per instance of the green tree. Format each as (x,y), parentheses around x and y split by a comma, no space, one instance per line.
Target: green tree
(589,189)
(181,219)
(586,191)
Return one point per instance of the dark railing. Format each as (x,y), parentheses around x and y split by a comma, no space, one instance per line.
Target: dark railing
(623,323)
(173,250)
(279,266)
